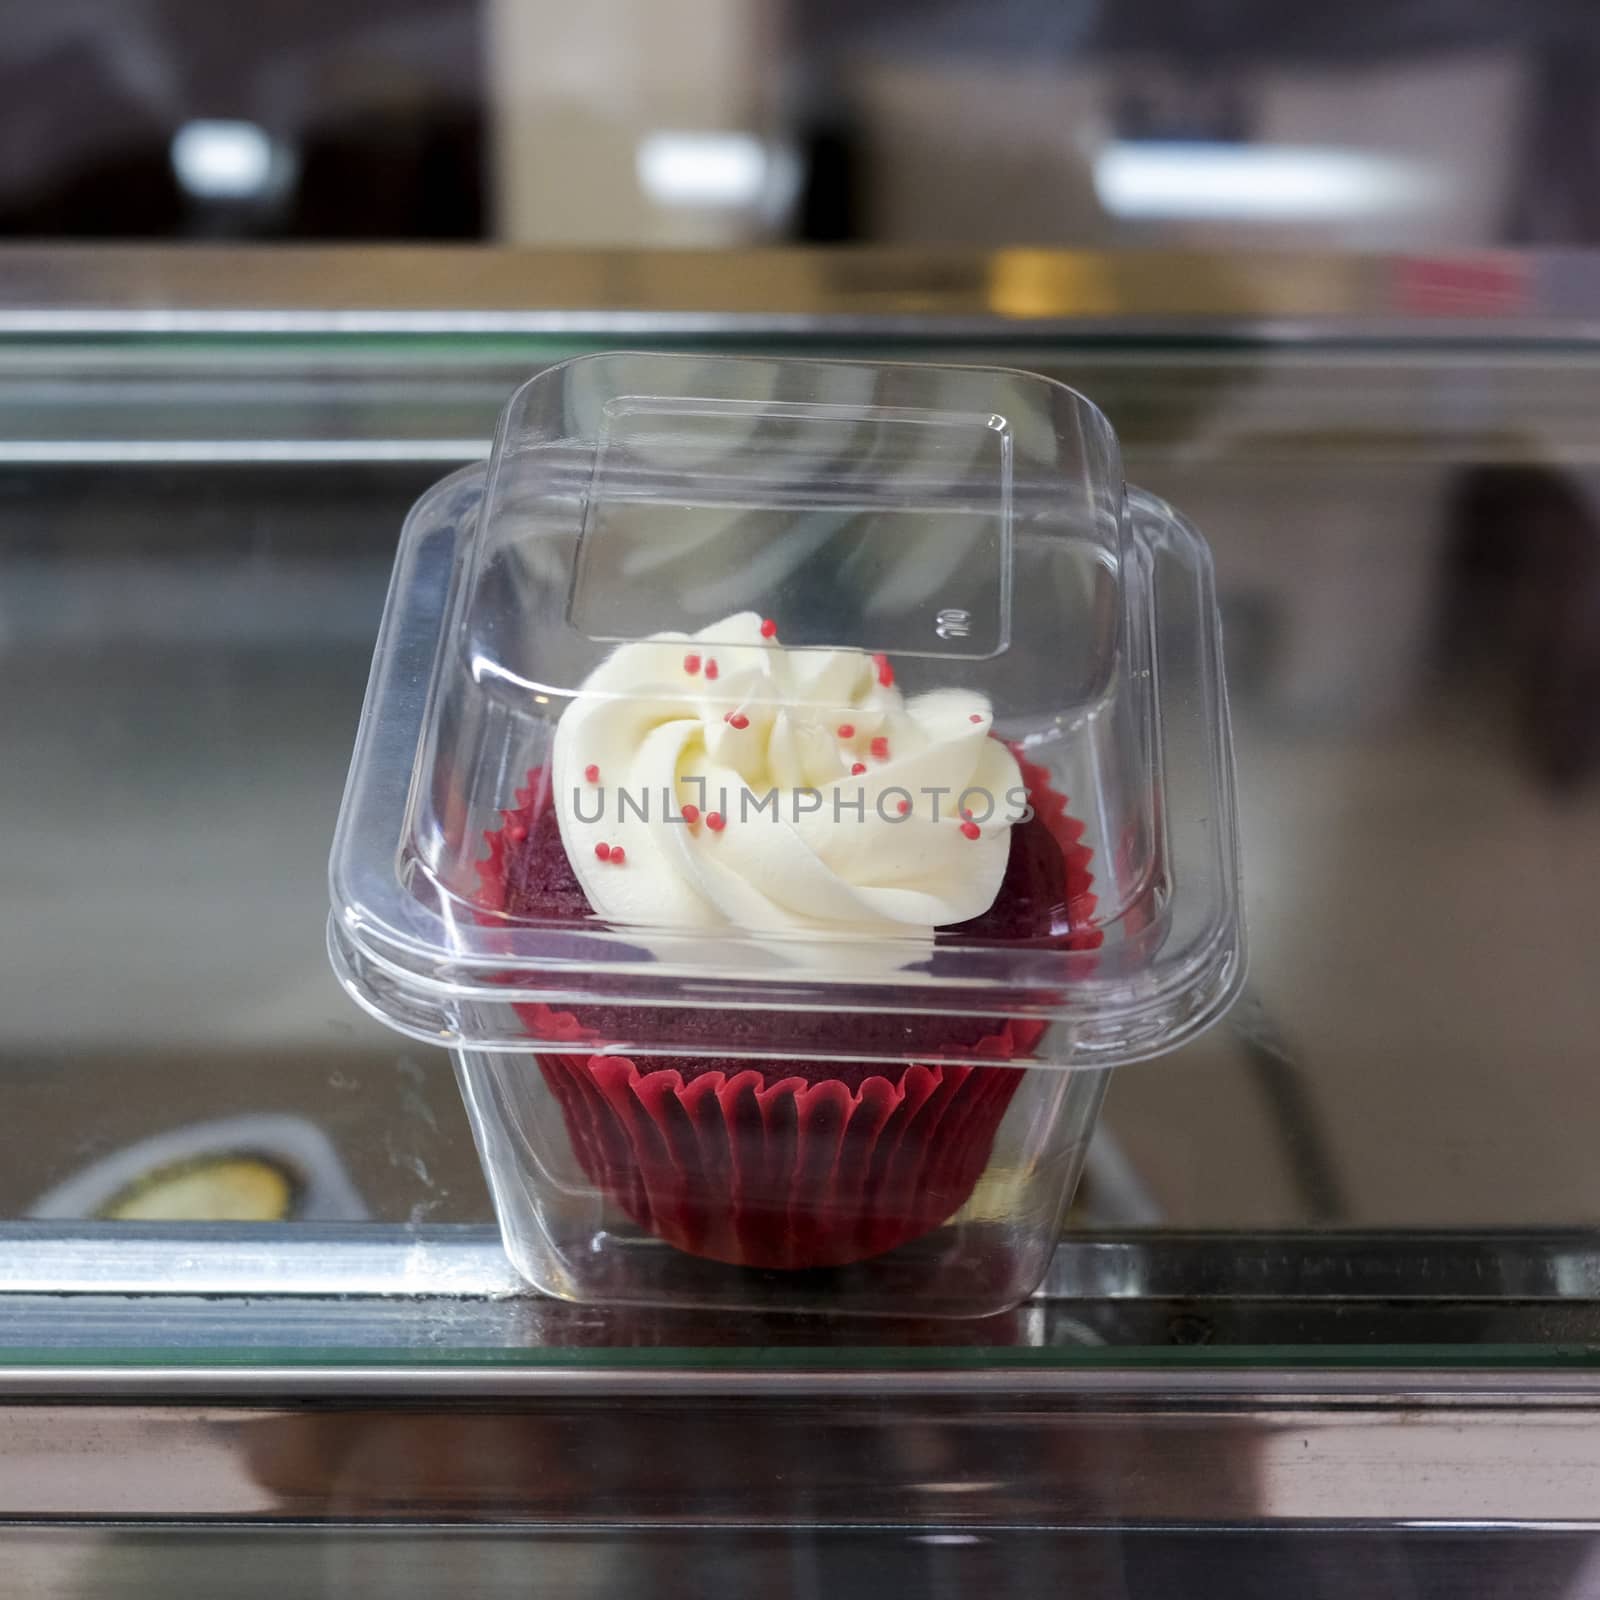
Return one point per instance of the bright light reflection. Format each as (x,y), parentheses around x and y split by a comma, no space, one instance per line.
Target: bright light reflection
(1257,183)
(721,170)
(223,160)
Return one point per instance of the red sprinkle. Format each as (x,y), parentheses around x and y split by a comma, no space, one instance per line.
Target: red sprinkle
(691,815)
(769,628)
(711,669)
(975,717)
(739,720)
(516,833)
(691,664)
(905,806)
(880,749)
(618,855)
(885,671)
(966,814)
(857,768)
(715,821)
(971,829)
(847,730)
(603,850)
(592,773)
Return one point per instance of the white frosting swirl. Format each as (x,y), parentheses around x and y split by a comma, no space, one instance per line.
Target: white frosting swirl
(766,738)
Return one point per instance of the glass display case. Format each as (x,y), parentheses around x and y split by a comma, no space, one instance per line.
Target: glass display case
(1334,1267)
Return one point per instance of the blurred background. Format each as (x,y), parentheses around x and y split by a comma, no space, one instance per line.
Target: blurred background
(1377,124)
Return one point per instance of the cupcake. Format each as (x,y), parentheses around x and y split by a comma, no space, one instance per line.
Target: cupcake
(719,782)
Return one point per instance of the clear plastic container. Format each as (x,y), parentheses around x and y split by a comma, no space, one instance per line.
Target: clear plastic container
(783,959)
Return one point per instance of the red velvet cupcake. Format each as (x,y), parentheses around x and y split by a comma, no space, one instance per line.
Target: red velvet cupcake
(800,1162)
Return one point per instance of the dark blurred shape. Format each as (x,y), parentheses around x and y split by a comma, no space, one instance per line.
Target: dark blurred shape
(1562,145)
(130,195)
(1525,560)
(85,151)
(829,206)
(1155,103)
(377,106)
(393,172)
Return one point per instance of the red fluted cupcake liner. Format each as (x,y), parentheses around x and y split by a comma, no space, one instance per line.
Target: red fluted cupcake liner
(786,1164)
(787,1171)
(1067,831)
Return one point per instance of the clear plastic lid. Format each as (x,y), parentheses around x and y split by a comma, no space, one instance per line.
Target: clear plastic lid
(743,685)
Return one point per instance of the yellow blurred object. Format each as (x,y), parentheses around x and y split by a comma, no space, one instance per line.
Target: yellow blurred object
(226,1188)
